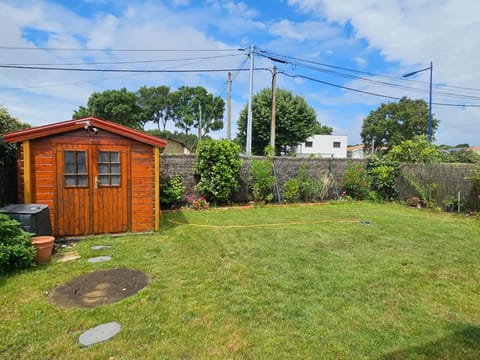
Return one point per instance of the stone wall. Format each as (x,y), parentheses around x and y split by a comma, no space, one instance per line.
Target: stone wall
(440,181)
(449,179)
(285,168)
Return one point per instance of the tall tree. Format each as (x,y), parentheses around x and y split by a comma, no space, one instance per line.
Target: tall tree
(8,153)
(156,105)
(192,106)
(393,123)
(295,121)
(120,106)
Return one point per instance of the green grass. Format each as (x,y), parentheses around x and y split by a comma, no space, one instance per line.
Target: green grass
(269,283)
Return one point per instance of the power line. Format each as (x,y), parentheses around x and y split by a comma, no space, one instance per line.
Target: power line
(56,68)
(123,62)
(368,92)
(113,50)
(313,65)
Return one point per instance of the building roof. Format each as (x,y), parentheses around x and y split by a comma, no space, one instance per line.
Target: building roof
(86,123)
(356,147)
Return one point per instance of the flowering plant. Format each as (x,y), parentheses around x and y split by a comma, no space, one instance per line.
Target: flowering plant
(197,204)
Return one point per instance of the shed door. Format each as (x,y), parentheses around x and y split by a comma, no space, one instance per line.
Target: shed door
(92,188)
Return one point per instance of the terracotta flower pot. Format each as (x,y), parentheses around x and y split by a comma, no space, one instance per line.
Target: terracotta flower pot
(44,245)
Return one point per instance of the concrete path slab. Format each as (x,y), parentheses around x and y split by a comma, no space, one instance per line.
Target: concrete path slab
(99,333)
(99,259)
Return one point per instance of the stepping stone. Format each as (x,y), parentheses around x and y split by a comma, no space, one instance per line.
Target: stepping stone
(99,333)
(101,247)
(99,259)
(70,256)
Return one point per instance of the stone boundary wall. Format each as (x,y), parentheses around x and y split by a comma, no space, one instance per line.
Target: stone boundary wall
(448,178)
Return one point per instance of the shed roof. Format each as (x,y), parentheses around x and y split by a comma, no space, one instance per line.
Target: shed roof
(87,123)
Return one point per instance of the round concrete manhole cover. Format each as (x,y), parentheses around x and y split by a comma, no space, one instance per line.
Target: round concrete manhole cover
(99,287)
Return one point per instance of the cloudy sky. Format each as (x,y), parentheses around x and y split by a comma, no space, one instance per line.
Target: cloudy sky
(344,57)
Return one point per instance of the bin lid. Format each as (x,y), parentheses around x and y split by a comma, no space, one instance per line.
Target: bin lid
(23,208)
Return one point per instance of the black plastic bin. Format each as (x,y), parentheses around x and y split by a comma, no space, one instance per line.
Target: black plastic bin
(33,218)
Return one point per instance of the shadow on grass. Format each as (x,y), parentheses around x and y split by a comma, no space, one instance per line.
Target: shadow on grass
(463,343)
(172,219)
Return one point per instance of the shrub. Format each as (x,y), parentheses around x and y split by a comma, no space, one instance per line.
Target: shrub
(383,177)
(172,192)
(218,165)
(16,249)
(291,191)
(356,182)
(309,188)
(261,180)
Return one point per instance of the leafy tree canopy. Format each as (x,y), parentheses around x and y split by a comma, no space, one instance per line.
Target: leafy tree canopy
(156,105)
(187,108)
(295,121)
(393,123)
(120,106)
(194,107)
(416,150)
(8,124)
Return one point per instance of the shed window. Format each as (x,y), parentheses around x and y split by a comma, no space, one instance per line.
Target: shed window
(336,144)
(75,168)
(109,168)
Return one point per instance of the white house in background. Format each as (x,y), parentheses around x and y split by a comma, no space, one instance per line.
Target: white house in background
(356,151)
(326,146)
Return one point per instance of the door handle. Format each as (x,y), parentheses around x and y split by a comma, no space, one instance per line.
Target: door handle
(97,182)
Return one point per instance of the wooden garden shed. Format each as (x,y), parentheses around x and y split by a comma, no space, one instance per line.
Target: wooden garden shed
(96,176)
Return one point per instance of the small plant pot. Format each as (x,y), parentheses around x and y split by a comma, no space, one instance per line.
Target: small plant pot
(44,246)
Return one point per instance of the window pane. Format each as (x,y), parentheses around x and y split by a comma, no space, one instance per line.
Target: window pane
(69,168)
(82,180)
(70,180)
(115,180)
(81,158)
(104,180)
(115,169)
(103,169)
(115,157)
(81,168)
(69,157)
(103,156)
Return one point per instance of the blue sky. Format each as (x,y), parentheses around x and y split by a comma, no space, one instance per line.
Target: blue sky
(365,45)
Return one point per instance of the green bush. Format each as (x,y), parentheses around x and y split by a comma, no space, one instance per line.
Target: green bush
(383,177)
(16,249)
(261,180)
(310,189)
(218,165)
(356,182)
(172,192)
(291,191)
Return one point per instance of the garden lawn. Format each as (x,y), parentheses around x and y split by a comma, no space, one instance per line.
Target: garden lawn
(326,281)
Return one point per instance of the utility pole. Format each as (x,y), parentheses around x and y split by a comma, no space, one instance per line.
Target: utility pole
(274,102)
(229,106)
(249,113)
